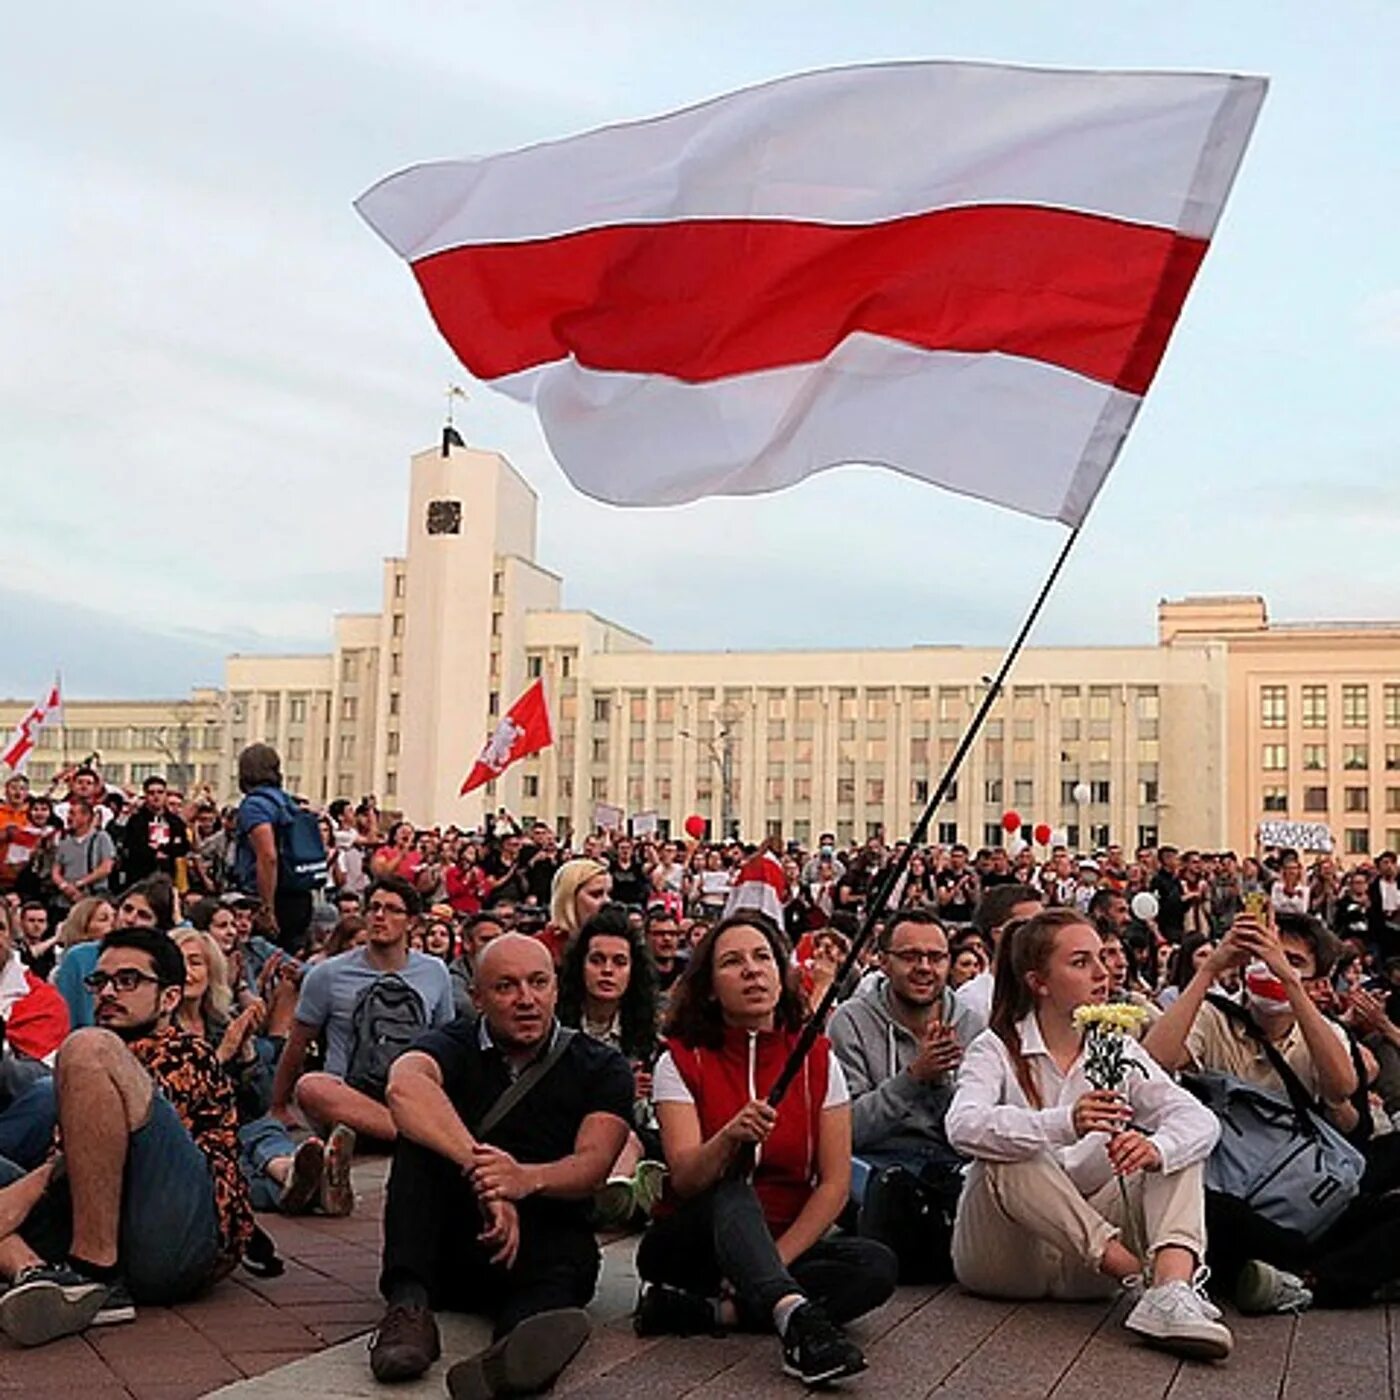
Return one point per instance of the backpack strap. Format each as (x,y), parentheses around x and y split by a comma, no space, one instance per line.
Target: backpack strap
(526,1081)
(1304,1105)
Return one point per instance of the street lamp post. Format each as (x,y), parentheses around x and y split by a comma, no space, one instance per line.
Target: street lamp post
(721,751)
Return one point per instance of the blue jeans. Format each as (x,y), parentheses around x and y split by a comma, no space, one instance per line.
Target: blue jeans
(27,1124)
(168,1238)
(260,1142)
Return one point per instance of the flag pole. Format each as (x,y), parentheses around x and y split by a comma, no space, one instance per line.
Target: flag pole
(896,871)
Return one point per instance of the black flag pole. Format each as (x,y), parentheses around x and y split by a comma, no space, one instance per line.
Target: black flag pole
(892,875)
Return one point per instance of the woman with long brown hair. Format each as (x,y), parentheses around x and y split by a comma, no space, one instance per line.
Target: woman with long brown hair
(741,1238)
(1058,1164)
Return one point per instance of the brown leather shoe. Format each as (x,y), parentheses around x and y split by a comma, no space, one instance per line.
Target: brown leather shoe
(405,1344)
(527,1360)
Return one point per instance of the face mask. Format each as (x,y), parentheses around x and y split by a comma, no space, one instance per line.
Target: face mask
(1265,992)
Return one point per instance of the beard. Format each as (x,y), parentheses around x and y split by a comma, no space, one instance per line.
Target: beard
(137,1030)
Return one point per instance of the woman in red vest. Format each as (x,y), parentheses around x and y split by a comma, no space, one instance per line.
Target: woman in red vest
(742,1238)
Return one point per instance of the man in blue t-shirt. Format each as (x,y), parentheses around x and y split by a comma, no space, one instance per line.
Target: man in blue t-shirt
(331,1007)
(265,809)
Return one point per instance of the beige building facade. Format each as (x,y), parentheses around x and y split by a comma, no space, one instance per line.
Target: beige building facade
(1228,720)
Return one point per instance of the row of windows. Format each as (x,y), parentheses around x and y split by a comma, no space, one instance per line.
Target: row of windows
(1356,758)
(1316,799)
(79,740)
(953,703)
(1355,709)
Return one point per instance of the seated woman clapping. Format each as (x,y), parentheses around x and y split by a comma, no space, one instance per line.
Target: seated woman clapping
(1043,1212)
(742,1238)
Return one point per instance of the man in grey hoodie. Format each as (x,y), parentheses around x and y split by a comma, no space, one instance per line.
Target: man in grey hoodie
(898,1049)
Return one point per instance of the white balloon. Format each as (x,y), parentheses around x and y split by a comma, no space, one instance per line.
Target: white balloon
(1016,846)
(1082,793)
(1144,905)
(1059,837)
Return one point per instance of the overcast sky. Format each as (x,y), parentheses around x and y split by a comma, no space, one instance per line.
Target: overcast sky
(212,373)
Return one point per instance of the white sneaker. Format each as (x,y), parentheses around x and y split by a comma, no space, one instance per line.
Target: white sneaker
(1261,1288)
(1174,1316)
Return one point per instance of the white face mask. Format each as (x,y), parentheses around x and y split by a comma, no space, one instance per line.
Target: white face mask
(1264,991)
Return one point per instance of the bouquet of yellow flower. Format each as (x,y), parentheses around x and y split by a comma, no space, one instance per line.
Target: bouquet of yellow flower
(1107,1028)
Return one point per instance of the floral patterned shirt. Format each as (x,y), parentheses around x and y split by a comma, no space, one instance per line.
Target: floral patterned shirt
(189,1074)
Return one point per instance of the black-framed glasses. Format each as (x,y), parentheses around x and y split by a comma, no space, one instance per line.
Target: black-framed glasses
(375,907)
(125,979)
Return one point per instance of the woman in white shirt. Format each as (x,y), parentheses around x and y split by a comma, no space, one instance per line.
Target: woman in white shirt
(1047,1150)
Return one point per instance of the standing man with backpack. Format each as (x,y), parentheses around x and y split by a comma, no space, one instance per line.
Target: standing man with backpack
(366,1007)
(279,856)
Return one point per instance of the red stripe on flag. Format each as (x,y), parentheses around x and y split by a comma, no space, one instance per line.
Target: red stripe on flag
(699,300)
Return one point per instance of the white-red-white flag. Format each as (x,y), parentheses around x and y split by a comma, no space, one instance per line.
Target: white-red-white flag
(524,729)
(26,733)
(761,886)
(965,272)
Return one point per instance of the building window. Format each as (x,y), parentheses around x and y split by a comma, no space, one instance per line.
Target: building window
(1023,792)
(396,625)
(391,742)
(1149,750)
(349,666)
(111,738)
(1356,758)
(845,789)
(1314,707)
(1149,705)
(991,792)
(920,792)
(349,707)
(1314,799)
(346,746)
(1275,758)
(530,786)
(1273,706)
(992,834)
(947,833)
(1356,840)
(1356,799)
(296,709)
(1392,799)
(1392,758)
(600,751)
(599,789)
(601,709)
(534,667)
(271,710)
(1099,835)
(1099,791)
(1315,758)
(1147,836)
(394,703)
(875,791)
(1276,799)
(295,749)
(1391,703)
(493,703)
(1356,707)
(391,784)
(1147,792)
(399,585)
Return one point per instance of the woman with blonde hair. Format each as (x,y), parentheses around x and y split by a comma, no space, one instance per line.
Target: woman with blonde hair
(88,921)
(1061,1167)
(580,889)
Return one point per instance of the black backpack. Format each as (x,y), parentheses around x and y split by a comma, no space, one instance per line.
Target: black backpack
(387,1019)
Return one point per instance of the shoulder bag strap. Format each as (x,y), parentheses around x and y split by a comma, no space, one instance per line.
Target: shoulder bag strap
(1304,1105)
(527,1080)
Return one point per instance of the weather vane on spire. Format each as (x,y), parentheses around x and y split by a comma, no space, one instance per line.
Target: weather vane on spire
(450,436)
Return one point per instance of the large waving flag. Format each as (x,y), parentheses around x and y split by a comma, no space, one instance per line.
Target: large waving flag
(25,734)
(965,272)
(523,729)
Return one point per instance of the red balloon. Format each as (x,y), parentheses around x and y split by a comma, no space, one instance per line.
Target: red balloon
(695,827)
(1011,821)
(1042,834)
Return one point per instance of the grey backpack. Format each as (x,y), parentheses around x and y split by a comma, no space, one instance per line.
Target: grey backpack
(1278,1155)
(387,1019)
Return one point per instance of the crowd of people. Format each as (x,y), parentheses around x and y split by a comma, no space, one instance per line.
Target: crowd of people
(1043,1074)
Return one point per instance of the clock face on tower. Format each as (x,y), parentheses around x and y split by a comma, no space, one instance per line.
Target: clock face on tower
(444,517)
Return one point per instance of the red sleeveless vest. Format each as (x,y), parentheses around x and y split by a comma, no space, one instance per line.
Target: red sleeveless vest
(747,1065)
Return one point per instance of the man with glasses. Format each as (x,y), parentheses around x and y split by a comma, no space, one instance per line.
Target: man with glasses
(384,991)
(900,1053)
(151,1206)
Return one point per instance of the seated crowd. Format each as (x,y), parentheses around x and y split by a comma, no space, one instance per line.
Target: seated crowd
(1176,1079)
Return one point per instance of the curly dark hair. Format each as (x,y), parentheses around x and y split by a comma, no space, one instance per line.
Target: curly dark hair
(694,1017)
(637,1012)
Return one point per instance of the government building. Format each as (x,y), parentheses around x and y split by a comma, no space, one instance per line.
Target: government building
(1229,720)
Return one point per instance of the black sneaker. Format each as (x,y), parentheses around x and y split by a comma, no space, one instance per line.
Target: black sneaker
(47,1301)
(816,1351)
(527,1360)
(116,1307)
(664,1311)
(405,1343)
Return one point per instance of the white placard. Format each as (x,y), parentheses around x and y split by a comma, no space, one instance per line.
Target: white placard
(1300,836)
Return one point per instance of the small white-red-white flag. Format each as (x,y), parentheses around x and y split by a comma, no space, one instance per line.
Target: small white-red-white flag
(760,886)
(524,729)
(26,732)
(965,272)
